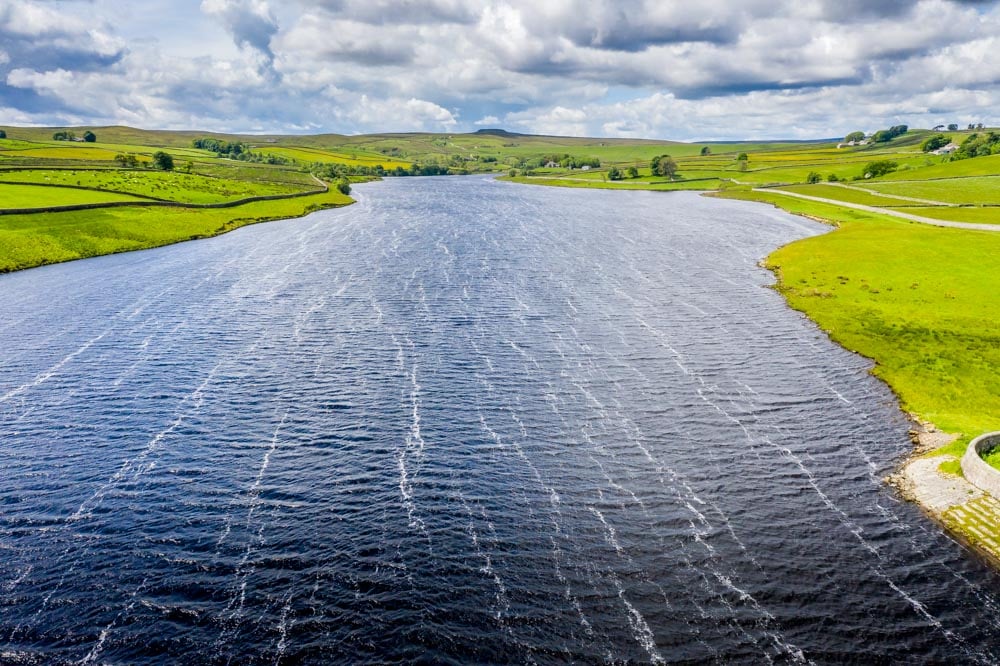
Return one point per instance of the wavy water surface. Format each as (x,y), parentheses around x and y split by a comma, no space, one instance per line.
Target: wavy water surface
(460,421)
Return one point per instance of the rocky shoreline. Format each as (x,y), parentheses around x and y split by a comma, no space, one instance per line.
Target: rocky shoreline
(968,514)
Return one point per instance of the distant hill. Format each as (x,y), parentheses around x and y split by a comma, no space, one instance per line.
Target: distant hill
(499,132)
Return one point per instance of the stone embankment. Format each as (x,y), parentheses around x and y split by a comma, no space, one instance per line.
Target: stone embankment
(978,471)
(968,505)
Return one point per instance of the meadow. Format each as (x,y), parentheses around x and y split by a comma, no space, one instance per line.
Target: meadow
(920,301)
(35,196)
(37,172)
(303,155)
(162,185)
(972,190)
(43,238)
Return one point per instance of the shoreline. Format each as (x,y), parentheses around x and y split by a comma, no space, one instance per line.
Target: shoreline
(947,498)
(229,220)
(961,509)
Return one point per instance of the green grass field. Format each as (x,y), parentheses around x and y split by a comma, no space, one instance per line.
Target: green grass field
(44,238)
(918,300)
(974,215)
(166,185)
(304,155)
(36,172)
(36,196)
(962,190)
(847,194)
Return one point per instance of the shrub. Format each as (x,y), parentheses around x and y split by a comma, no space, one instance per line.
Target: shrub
(879,168)
(614,173)
(344,185)
(813,178)
(832,178)
(89,137)
(632,172)
(128,161)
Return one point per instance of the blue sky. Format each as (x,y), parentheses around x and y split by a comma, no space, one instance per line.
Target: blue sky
(711,69)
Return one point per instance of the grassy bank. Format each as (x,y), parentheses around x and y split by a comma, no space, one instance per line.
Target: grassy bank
(39,175)
(918,300)
(35,239)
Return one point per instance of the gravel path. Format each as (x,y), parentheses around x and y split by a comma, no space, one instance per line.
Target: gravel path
(884,211)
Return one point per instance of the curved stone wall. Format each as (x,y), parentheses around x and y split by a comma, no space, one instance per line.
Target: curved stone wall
(976,469)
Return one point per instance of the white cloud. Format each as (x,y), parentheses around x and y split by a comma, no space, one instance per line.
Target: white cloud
(712,69)
(398,115)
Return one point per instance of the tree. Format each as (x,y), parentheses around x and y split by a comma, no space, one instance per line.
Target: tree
(632,172)
(663,165)
(953,127)
(344,185)
(882,136)
(832,178)
(163,161)
(855,137)
(63,135)
(813,178)
(89,137)
(706,151)
(879,168)
(935,142)
(742,157)
(128,161)
(978,145)
(614,173)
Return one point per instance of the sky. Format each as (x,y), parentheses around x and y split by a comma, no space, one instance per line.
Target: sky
(664,69)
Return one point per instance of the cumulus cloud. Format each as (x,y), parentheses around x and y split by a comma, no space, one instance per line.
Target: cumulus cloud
(656,68)
(250,23)
(382,12)
(320,39)
(399,115)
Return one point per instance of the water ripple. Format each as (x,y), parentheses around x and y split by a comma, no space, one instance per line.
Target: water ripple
(461,421)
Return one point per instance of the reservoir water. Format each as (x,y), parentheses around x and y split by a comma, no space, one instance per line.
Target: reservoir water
(461,421)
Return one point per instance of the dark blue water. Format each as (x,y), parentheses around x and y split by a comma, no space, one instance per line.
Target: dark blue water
(461,421)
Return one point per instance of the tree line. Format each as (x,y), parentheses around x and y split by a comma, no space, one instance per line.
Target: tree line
(66,135)
(236,150)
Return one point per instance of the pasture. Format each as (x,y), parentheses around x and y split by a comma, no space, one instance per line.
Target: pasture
(162,185)
(39,196)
